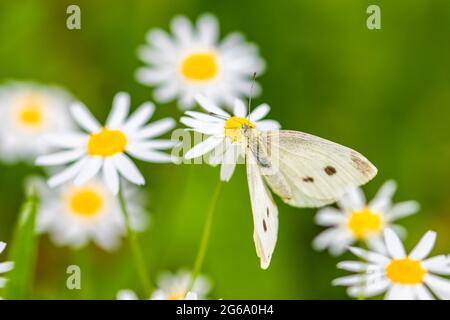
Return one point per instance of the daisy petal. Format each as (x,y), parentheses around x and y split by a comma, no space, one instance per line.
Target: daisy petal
(155,129)
(260,112)
(203,147)
(240,110)
(373,257)
(66,140)
(59,158)
(84,117)
(110,176)
(402,209)
(353,200)
(202,116)
(6,266)
(424,247)
(329,216)
(209,106)
(156,144)
(422,293)
(370,289)
(399,292)
(126,295)
(140,116)
(268,125)
(440,286)
(150,155)
(384,196)
(353,266)
(394,245)
(121,107)
(67,174)
(2,246)
(207,29)
(89,170)
(128,169)
(439,264)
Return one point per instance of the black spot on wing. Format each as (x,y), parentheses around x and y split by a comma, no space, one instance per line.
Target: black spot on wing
(329,170)
(308,179)
(264,225)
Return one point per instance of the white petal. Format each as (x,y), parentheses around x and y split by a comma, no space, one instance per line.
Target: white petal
(210,106)
(424,247)
(324,239)
(383,198)
(126,295)
(89,170)
(6,266)
(203,147)
(369,289)
(260,112)
(182,29)
(439,286)
(2,246)
(393,244)
(84,117)
(353,200)
(203,116)
(66,140)
(155,129)
(400,292)
(329,216)
(120,109)
(59,158)
(438,264)
(353,266)
(151,155)
(67,174)
(376,243)
(268,125)
(110,176)
(240,110)
(208,29)
(374,257)
(203,127)
(229,163)
(191,296)
(140,116)
(156,144)
(128,169)
(402,209)
(422,293)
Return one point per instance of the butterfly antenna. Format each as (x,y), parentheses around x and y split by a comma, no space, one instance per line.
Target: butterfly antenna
(251,96)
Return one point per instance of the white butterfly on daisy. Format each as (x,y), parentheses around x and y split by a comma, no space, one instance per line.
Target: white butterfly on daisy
(193,61)
(402,276)
(28,111)
(223,130)
(357,220)
(74,215)
(107,148)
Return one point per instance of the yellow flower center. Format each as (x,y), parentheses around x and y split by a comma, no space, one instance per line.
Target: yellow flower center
(233,127)
(30,113)
(405,271)
(107,143)
(176,295)
(85,202)
(199,66)
(364,222)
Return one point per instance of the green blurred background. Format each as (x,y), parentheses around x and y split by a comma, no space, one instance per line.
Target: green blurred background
(385,93)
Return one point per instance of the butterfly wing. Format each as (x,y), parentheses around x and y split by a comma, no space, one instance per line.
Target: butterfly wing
(317,171)
(265,213)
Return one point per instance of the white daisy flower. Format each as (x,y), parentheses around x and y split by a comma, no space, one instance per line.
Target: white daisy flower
(357,221)
(28,111)
(193,61)
(175,287)
(105,148)
(74,215)
(224,132)
(402,276)
(4,266)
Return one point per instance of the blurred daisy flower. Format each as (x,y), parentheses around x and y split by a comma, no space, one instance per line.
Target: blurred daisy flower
(225,140)
(174,287)
(402,276)
(358,221)
(73,215)
(28,111)
(193,61)
(4,266)
(105,148)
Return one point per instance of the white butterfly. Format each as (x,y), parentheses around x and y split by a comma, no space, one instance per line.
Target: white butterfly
(303,170)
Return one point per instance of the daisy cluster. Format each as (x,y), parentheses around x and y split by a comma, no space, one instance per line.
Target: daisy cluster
(92,166)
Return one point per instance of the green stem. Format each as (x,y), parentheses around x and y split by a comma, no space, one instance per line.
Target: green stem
(206,235)
(135,248)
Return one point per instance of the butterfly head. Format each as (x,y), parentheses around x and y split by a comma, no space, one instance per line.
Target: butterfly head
(236,127)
